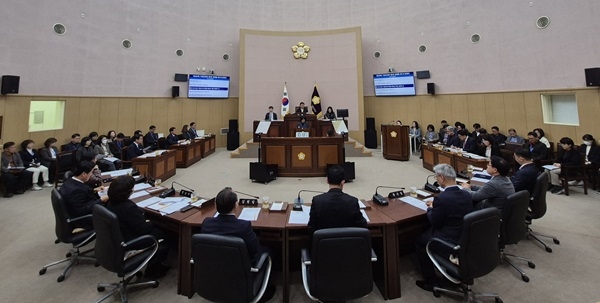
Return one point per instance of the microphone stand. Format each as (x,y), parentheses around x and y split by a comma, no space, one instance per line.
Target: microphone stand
(182,192)
(298,201)
(379,199)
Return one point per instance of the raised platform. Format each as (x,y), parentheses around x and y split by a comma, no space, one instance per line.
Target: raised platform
(250,150)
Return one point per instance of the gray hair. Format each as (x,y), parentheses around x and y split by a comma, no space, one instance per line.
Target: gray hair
(450,128)
(445,170)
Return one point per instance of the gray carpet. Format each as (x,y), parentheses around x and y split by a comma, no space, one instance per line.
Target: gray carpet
(567,275)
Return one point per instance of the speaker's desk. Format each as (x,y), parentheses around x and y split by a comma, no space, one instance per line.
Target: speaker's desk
(161,166)
(187,154)
(285,128)
(302,157)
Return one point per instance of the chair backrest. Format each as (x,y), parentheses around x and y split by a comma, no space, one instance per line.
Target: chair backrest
(222,268)
(513,227)
(537,205)
(64,161)
(341,268)
(479,244)
(64,231)
(108,250)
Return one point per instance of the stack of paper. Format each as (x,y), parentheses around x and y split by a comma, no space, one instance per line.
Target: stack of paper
(414,202)
(300,217)
(249,213)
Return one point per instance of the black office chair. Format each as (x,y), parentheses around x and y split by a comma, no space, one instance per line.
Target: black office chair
(64,233)
(65,161)
(223,271)
(338,267)
(111,252)
(477,252)
(513,228)
(537,209)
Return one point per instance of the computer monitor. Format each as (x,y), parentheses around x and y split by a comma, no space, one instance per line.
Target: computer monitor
(342,113)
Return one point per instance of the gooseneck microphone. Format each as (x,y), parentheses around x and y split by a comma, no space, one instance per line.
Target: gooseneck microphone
(298,201)
(252,202)
(431,187)
(184,193)
(379,199)
(167,193)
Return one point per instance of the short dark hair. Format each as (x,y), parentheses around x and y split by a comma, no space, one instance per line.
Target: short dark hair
(73,136)
(83,167)
(49,141)
(302,103)
(192,123)
(85,139)
(93,134)
(120,189)
(476,125)
(137,137)
(488,138)
(463,132)
(152,127)
(137,132)
(101,138)
(270,106)
(495,127)
(335,175)
(588,137)
(567,140)
(111,131)
(541,131)
(172,128)
(431,126)
(25,143)
(457,124)
(443,122)
(120,135)
(8,144)
(534,134)
(524,153)
(482,131)
(225,200)
(500,164)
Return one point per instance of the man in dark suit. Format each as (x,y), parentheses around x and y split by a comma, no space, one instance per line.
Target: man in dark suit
(467,143)
(494,192)
(526,177)
(538,150)
(192,131)
(335,208)
(302,109)
(443,134)
(445,213)
(151,138)
(79,197)
(270,116)
(453,139)
(172,138)
(136,148)
(117,145)
(14,175)
(498,137)
(74,144)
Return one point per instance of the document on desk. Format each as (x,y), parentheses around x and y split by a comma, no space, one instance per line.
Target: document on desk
(481,180)
(276,206)
(300,217)
(249,213)
(199,202)
(138,194)
(175,206)
(111,159)
(361,205)
(414,202)
(116,173)
(141,186)
(364,213)
(148,202)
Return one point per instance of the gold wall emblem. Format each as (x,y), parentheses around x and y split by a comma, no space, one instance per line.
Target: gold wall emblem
(394,134)
(300,50)
(301,156)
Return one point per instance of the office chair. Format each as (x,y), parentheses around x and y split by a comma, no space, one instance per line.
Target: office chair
(111,251)
(513,228)
(537,209)
(223,271)
(64,233)
(477,252)
(65,161)
(338,267)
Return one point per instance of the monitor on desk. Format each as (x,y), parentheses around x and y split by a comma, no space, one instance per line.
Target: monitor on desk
(342,113)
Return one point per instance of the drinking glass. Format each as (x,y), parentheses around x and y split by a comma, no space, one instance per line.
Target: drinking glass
(157,182)
(265,202)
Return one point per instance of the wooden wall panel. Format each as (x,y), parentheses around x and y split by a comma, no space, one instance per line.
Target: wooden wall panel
(189,111)
(159,116)
(89,112)
(174,112)
(533,108)
(127,116)
(143,114)
(515,114)
(588,102)
(494,110)
(476,110)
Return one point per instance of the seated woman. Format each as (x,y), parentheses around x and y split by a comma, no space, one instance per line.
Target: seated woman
(489,147)
(133,224)
(431,136)
(103,149)
(569,157)
(48,157)
(542,136)
(111,136)
(31,160)
(415,135)
(88,151)
(303,123)
(329,114)
(184,133)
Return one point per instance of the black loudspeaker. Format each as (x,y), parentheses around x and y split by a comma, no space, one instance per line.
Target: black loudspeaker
(592,77)
(371,138)
(175,91)
(233,140)
(233,125)
(181,77)
(431,88)
(263,173)
(423,74)
(10,84)
(370,123)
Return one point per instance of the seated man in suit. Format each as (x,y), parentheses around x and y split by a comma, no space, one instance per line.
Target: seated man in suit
(14,175)
(302,123)
(538,150)
(467,143)
(335,208)
(302,109)
(498,137)
(117,145)
(74,144)
(270,116)
(172,138)
(136,148)
(445,213)
(524,178)
(494,192)
(79,197)
(452,139)
(514,138)
(192,131)
(151,138)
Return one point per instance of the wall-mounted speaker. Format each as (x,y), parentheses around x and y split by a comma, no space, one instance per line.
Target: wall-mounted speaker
(10,84)
(592,76)
(181,77)
(423,74)
(175,91)
(431,88)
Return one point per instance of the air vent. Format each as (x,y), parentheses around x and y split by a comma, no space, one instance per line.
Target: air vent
(542,22)
(225,56)
(59,29)
(224,131)
(126,43)
(475,38)
(422,48)
(376,54)
(179,53)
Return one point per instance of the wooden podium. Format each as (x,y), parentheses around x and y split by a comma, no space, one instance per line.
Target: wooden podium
(394,142)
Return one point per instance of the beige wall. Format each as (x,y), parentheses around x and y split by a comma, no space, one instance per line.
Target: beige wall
(125,115)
